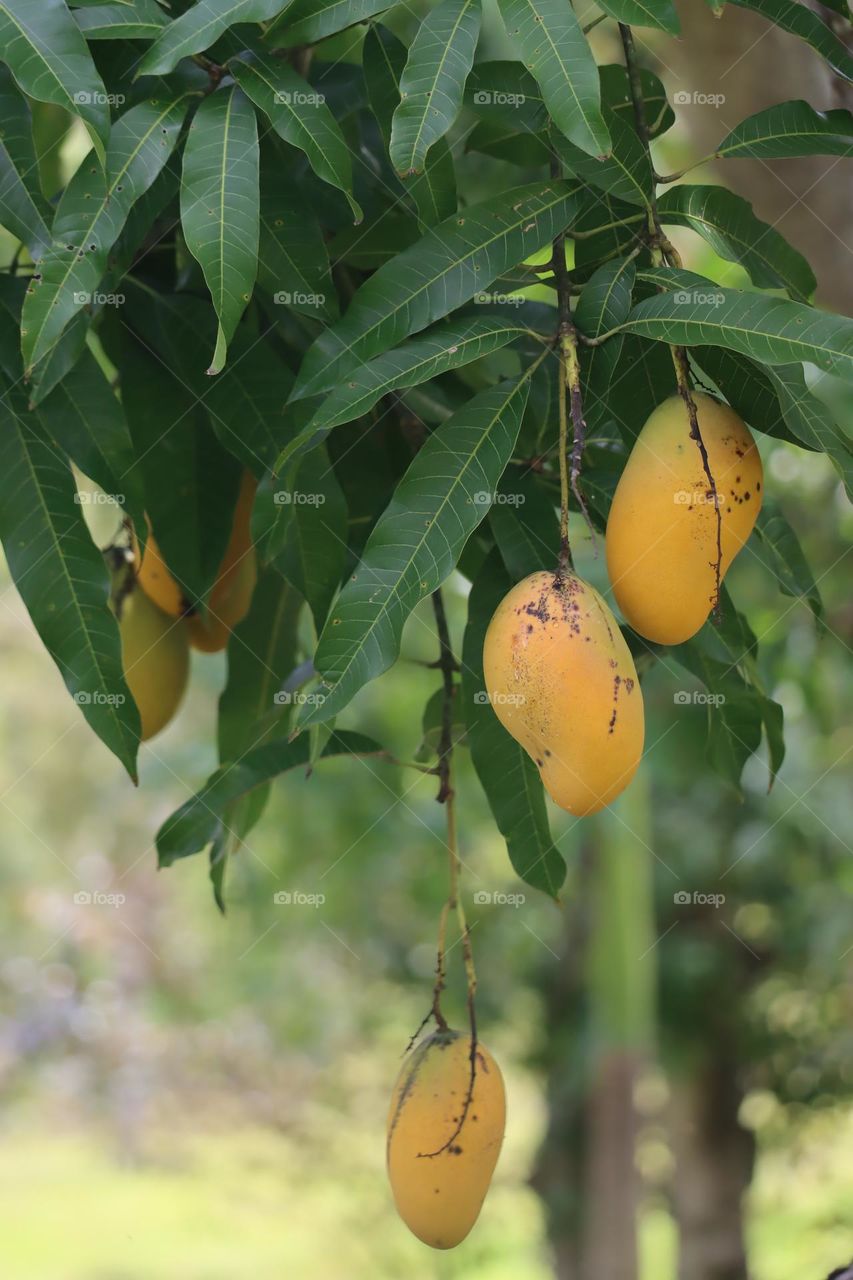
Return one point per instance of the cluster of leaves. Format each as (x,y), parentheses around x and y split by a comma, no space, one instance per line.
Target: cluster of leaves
(268,260)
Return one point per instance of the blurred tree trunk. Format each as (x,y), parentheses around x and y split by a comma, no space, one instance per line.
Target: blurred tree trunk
(600,1025)
(714,1161)
(755,65)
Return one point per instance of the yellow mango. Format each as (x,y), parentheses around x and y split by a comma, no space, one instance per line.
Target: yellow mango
(156,580)
(234,587)
(439,1196)
(662,529)
(155,656)
(562,681)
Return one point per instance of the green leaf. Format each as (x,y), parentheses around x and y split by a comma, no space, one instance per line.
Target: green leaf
(733,231)
(383,63)
(62,578)
(86,419)
(23,209)
(778,548)
(192,827)
(444,269)
(46,53)
(190,482)
(776,400)
(245,402)
(299,115)
(698,312)
(524,522)
(308,543)
(139,20)
(432,83)
(616,93)
(605,300)
(625,173)
(293,262)
(643,13)
(91,213)
(734,714)
(198,28)
(307,21)
(508,776)
(444,495)
(448,346)
(220,205)
(555,50)
(787,130)
(800,21)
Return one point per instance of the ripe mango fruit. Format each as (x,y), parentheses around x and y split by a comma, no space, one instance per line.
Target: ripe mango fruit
(155,656)
(156,580)
(439,1196)
(662,529)
(234,587)
(562,681)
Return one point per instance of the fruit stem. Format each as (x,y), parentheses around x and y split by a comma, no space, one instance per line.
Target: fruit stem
(664,253)
(571,364)
(566,328)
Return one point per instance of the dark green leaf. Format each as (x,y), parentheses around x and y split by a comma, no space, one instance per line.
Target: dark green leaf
(198,28)
(444,495)
(801,21)
(46,53)
(307,21)
(138,20)
(220,205)
(778,548)
(292,259)
(62,578)
(790,129)
(697,312)
(625,173)
(299,115)
(433,81)
(192,827)
(23,209)
(643,13)
(90,216)
(733,231)
(449,265)
(524,522)
(555,50)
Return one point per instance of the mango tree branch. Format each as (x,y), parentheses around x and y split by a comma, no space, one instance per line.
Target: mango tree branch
(664,252)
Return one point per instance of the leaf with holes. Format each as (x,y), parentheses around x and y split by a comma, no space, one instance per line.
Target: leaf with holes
(433,81)
(89,218)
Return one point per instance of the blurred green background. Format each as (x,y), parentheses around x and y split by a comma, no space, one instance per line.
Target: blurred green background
(190,1096)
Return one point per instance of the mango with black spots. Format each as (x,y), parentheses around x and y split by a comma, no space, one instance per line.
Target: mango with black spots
(662,529)
(444,1136)
(562,681)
